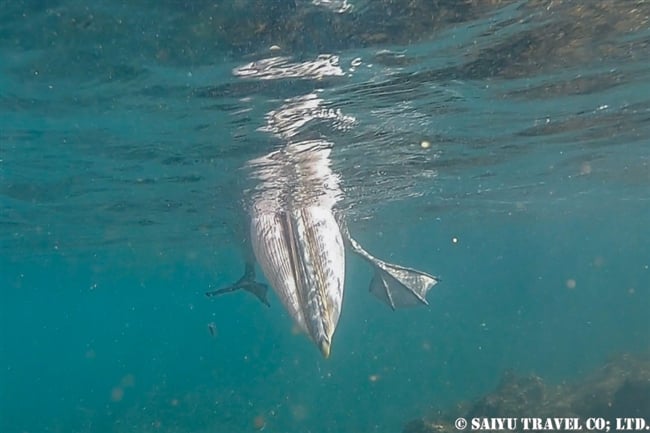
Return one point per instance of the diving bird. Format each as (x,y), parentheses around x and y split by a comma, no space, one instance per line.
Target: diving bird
(299,237)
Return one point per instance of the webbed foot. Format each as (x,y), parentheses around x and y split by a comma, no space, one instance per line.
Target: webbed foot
(396,285)
(247,283)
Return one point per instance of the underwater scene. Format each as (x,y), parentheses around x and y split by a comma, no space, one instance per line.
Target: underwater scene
(324,216)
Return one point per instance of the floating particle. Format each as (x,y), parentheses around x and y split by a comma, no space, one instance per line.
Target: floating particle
(570,283)
(128,381)
(299,412)
(117,394)
(425,144)
(259,423)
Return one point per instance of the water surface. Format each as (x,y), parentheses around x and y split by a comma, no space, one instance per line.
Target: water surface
(500,145)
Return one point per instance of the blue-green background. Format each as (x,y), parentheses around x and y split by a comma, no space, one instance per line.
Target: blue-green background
(121,144)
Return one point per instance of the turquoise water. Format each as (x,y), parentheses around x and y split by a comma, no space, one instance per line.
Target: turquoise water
(502,147)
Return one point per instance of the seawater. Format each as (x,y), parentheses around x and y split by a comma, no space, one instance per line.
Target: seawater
(502,146)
